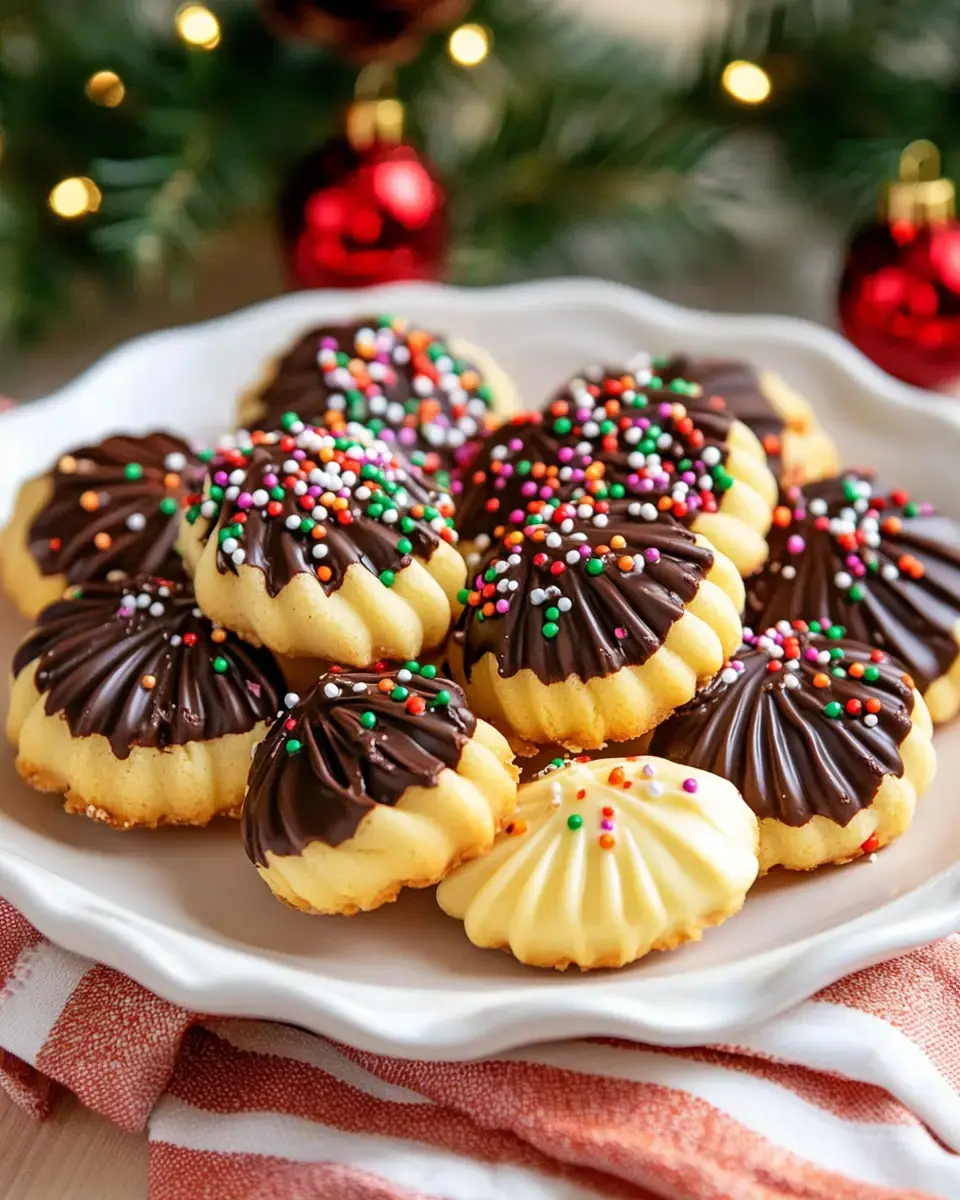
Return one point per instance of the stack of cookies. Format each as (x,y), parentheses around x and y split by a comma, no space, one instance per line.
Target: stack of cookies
(374,609)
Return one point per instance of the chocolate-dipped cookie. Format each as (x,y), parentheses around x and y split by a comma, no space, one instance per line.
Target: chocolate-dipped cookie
(136,707)
(591,622)
(102,511)
(826,738)
(881,564)
(617,433)
(322,545)
(425,396)
(798,450)
(375,781)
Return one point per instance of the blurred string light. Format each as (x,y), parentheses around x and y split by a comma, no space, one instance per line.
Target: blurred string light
(746,82)
(75,197)
(197,26)
(469,45)
(106,89)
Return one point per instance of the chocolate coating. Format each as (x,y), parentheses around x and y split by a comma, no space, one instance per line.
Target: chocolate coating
(561,619)
(97,652)
(398,380)
(737,384)
(321,769)
(363,508)
(886,568)
(134,518)
(766,730)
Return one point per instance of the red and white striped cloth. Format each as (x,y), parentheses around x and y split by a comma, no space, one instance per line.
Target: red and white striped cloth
(850,1096)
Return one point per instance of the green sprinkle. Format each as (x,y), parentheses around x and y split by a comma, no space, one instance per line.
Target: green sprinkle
(277,493)
(375,510)
(388,578)
(223,534)
(193,512)
(399,692)
(288,419)
(429,671)
(556,762)
(407,524)
(307,524)
(595,566)
(562,425)
(168,506)
(836,652)
(552,614)
(405,546)
(293,746)
(485,392)
(617,491)
(462,596)
(220,665)
(550,630)
(608,426)
(910,509)
(368,720)
(133,471)
(833,709)
(524,466)
(838,672)
(871,674)
(205,455)
(574,821)
(412,665)
(216,492)
(441,699)
(835,632)
(814,626)
(489,575)
(857,592)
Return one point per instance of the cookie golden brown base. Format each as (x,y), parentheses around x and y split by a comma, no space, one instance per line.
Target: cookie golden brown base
(20,577)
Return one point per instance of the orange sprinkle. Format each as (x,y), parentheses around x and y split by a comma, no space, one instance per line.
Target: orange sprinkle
(417,340)
(324,574)
(872,705)
(488,609)
(782,516)
(148,682)
(607,841)
(664,503)
(892,525)
(625,563)
(513,539)
(469,380)
(318,532)
(617,542)
(385,685)
(820,680)
(908,680)
(599,551)
(616,776)
(856,670)
(218,635)
(103,541)
(90,501)
(171,481)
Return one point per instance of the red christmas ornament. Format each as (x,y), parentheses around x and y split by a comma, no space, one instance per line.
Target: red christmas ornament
(365,208)
(900,291)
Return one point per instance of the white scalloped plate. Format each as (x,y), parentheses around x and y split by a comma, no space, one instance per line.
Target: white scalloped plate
(185,914)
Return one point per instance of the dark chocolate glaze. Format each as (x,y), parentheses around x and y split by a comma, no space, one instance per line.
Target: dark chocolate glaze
(429,429)
(614,619)
(911,617)
(61,538)
(281,553)
(519,462)
(94,649)
(774,742)
(737,384)
(340,770)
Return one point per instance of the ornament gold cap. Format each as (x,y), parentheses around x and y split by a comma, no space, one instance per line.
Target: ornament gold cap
(921,195)
(375,117)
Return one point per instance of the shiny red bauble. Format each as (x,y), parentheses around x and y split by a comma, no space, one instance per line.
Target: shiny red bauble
(900,299)
(351,218)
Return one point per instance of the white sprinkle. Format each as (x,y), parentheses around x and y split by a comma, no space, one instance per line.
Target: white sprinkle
(237,476)
(176,639)
(175,461)
(330,690)
(729,675)
(404,676)
(789,572)
(291,466)
(144,600)
(710,455)
(573,557)
(319,513)
(870,720)
(208,508)
(655,788)
(291,700)
(300,487)
(228,545)
(232,492)
(843,579)
(196,611)
(538,595)
(889,572)
(553,540)
(600,520)
(292,522)
(156,609)
(359,687)
(564,604)
(818,508)
(238,557)
(260,497)
(136,521)
(320,550)
(791,681)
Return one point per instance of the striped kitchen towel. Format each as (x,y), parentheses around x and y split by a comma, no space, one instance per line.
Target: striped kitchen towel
(850,1096)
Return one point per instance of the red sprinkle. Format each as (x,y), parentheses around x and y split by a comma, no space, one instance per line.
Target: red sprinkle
(416,705)
(854,707)
(189,639)
(872,843)
(274,508)
(581,793)
(290,723)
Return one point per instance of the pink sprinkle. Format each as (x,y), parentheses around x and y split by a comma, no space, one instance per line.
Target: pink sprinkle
(690,785)
(503,606)
(605,824)
(244,500)
(647,771)
(221,478)
(586,552)
(515,444)
(652,555)
(516,516)
(620,632)
(565,453)
(270,480)
(528,489)
(811,654)
(795,544)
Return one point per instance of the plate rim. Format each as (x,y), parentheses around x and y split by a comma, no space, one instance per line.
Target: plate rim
(233,981)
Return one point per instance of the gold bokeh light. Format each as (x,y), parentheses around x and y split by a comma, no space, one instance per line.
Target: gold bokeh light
(75,197)
(197,26)
(469,45)
(746,82)
(105,88)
